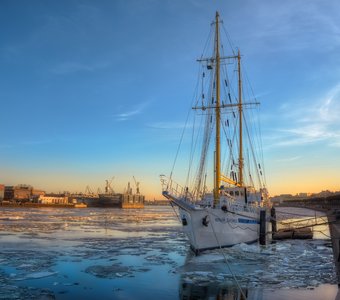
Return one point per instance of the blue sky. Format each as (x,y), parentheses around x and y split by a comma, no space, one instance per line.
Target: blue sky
(95,89)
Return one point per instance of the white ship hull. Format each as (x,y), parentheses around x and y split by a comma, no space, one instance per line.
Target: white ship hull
(221,229)
(227,224)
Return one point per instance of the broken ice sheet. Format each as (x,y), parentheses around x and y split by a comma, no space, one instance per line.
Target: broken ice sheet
(112,271)
(35,275)
(285,264)
(147,244)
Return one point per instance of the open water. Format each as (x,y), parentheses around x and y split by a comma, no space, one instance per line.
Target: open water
(52,253)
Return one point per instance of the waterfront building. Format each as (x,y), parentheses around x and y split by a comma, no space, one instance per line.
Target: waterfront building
(2,192)
(36,194)
(53,199)
(23,192)
(9,193)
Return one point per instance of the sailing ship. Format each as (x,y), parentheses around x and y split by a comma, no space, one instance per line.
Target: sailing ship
(230,212)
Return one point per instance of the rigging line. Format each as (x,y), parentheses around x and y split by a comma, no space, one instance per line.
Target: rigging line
(258,144)
(229,39)
(233,141)
(182,135)
(231,156)
(192,152)
(250,94)
(209,38)
(259,123)
(251,181)
(207,134)
(253,152)
(226,148)
(197,179)
(230,81)
(225,259)
(172,205)
(261,147)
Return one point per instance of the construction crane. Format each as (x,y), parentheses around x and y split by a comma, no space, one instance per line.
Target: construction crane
(108,187)
(137,185)
(88,190)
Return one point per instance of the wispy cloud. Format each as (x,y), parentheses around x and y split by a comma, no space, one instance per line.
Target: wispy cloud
(318,122)
(293,26)
(126,115)
(289,159)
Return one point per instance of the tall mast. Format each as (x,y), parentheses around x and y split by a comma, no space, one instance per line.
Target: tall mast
(217,111)
(240,157)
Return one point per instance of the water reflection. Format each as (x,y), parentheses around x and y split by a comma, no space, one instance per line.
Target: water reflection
(211,291)
(94,253)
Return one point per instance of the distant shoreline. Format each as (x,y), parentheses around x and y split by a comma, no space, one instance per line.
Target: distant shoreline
(31,205)
(70,205)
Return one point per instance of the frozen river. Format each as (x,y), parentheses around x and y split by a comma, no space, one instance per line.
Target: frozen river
(52,253)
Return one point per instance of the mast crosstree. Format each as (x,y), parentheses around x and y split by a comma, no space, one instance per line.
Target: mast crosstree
(218,176)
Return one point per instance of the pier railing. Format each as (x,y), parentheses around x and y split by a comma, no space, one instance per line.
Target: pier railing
(301,223)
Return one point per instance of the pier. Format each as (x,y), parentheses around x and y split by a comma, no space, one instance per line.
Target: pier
(331,206)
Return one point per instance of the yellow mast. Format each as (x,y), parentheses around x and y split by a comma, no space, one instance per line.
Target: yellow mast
(218,122)
(240,158)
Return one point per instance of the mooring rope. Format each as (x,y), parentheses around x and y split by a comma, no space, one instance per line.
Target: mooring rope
(175,211)
(226,260)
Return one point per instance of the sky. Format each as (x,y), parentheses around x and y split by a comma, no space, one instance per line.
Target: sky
(95,89)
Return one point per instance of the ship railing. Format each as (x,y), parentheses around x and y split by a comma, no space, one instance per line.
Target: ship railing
(175,190)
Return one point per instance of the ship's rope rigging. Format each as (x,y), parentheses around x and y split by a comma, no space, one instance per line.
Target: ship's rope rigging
(205,97)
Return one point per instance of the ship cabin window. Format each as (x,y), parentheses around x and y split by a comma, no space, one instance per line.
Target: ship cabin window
(231,193)
(237,193)
(241,193)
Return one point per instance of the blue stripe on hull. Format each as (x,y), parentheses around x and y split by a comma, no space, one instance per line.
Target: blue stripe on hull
(248,221)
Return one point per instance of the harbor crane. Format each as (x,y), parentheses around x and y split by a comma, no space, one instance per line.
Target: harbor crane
(137,185)
(108,187)
(88,190)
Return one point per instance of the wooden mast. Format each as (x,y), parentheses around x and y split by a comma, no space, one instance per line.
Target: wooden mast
(240,158)
(218,116)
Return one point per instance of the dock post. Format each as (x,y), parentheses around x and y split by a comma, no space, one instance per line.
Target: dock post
(263,227)
(273,220)
(334,228)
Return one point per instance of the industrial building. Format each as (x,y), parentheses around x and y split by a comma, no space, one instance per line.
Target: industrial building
(2,192)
